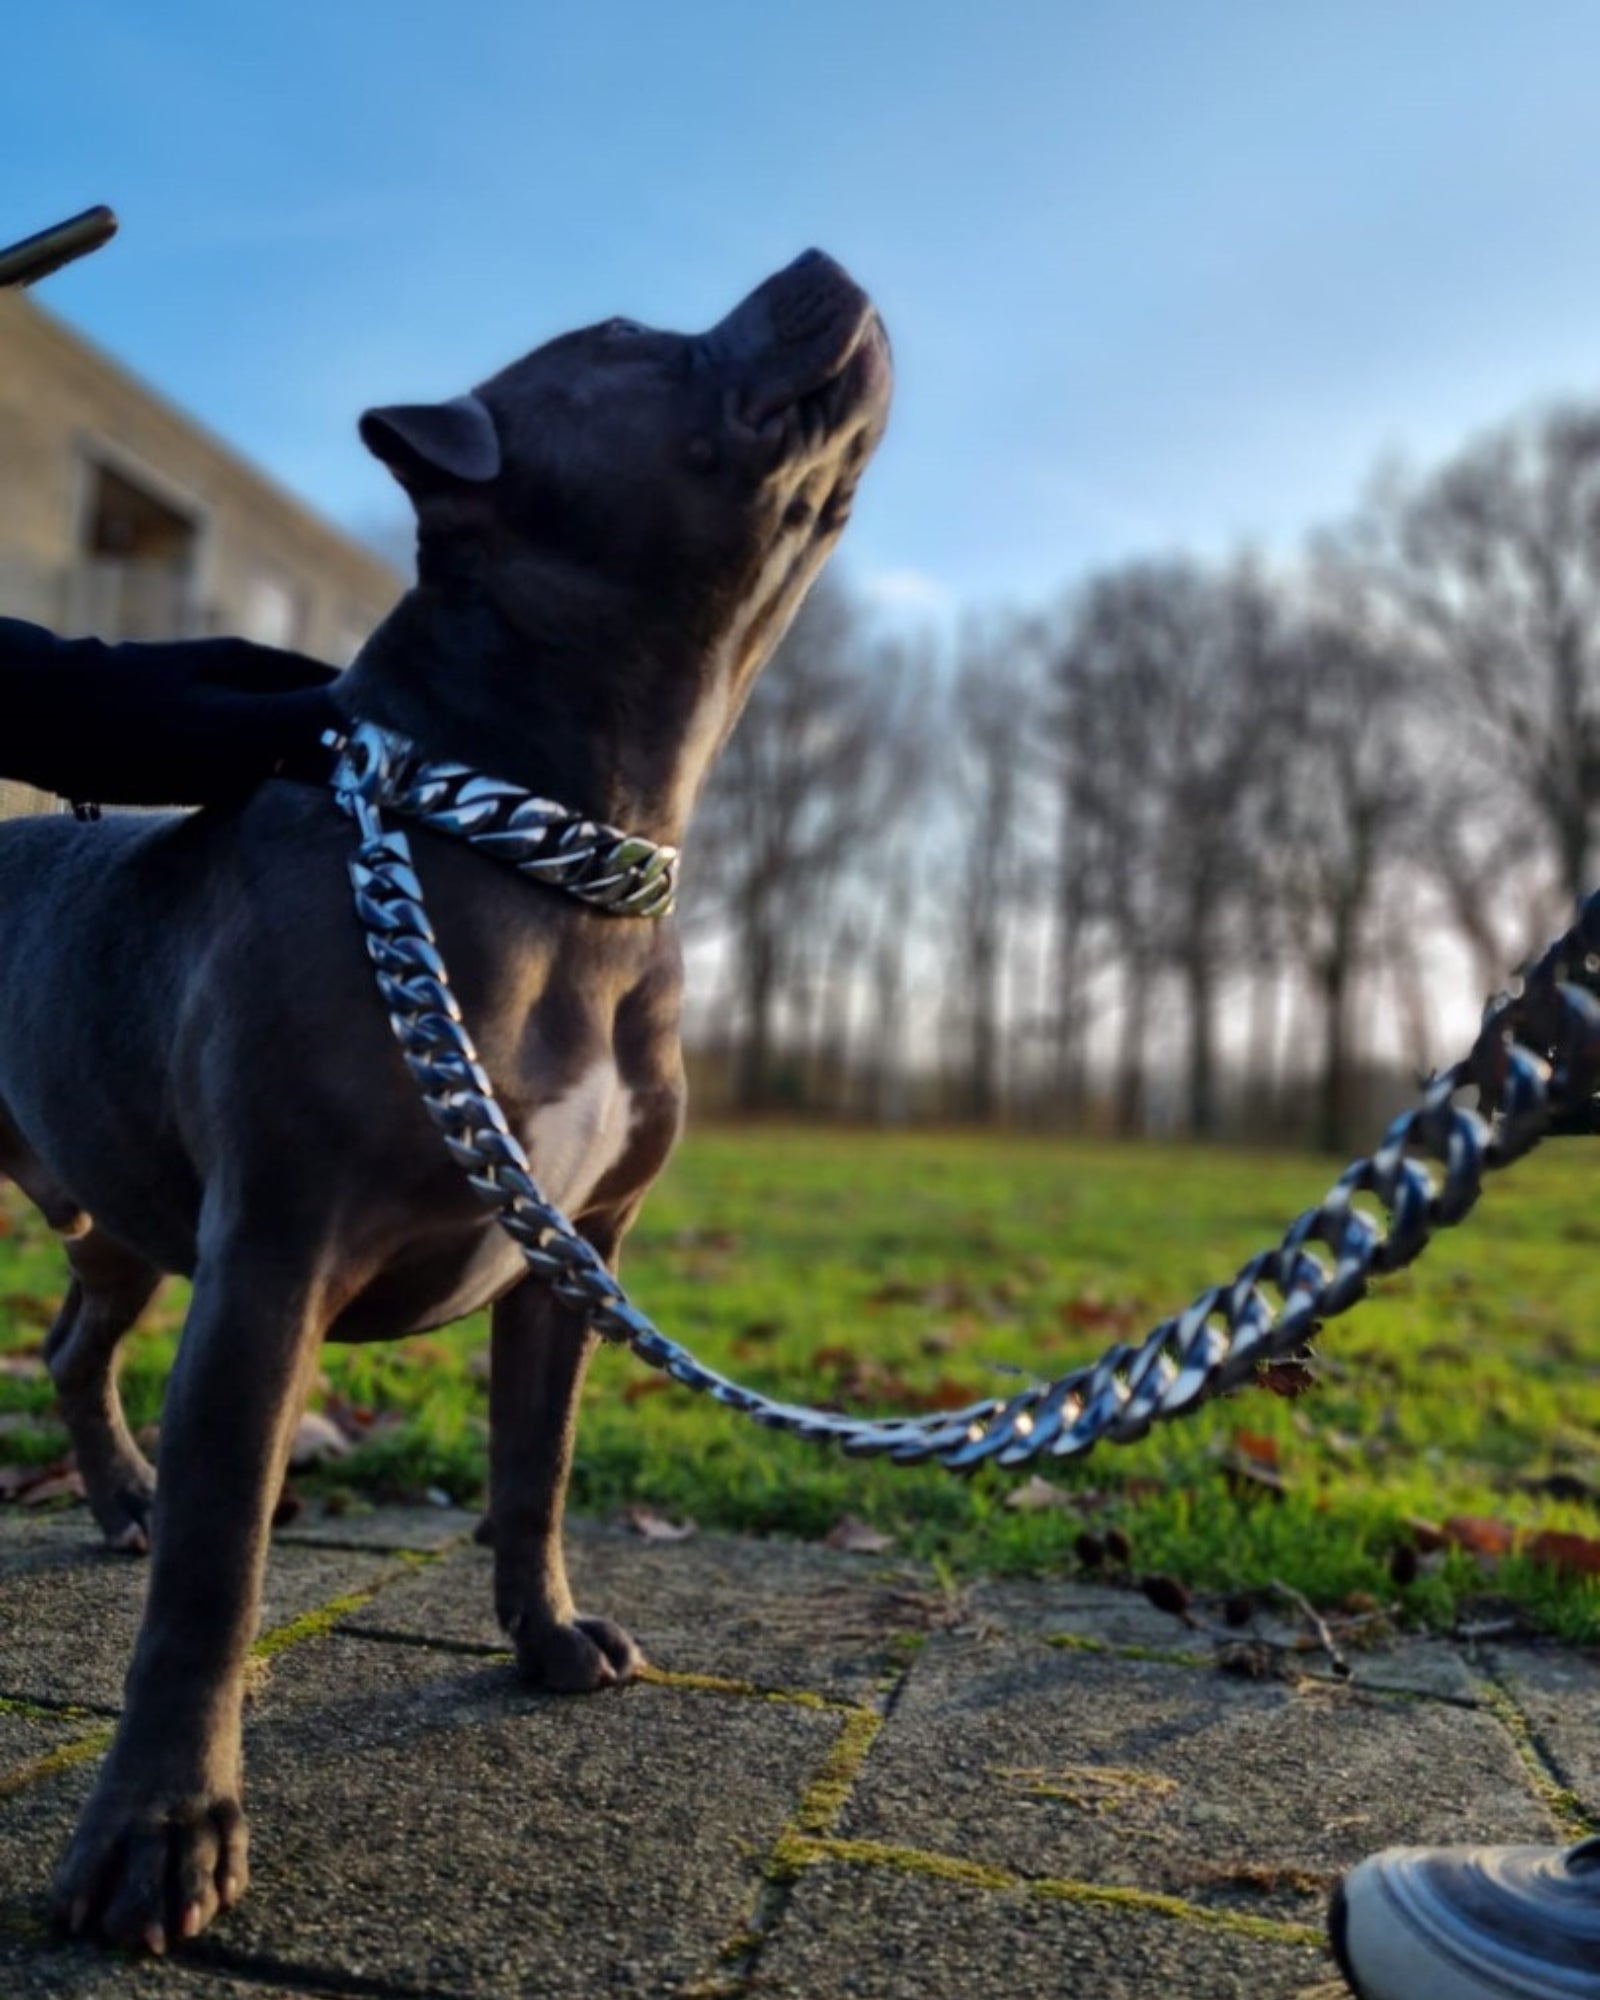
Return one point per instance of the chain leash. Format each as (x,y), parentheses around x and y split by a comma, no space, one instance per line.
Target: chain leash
(1535,1067)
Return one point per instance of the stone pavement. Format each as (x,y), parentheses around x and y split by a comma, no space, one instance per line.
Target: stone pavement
(838,1779)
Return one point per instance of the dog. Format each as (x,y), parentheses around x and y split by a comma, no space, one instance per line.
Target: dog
(196,1074)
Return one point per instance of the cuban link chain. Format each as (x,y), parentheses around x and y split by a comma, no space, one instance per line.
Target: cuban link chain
(1535,1067)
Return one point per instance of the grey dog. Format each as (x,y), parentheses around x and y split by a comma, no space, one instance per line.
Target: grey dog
(196,1074)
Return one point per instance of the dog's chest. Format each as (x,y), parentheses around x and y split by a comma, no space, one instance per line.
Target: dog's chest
(577,1136)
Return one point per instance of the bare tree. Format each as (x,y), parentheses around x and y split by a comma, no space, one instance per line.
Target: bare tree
(1492,564)
(996,708)
(1167,715)
(1345,795)
(799,805)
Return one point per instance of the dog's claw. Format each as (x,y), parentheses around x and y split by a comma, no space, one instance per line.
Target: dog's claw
(150,1872)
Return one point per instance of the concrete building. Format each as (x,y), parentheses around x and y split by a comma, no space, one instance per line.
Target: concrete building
(121,516)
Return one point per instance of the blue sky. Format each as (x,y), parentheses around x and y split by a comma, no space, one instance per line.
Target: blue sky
(1159,276)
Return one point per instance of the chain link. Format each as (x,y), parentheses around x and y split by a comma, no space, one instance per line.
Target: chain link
(1535,1068)
(618,873)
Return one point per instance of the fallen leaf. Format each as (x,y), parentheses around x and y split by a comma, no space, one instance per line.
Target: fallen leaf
(1289,1379)
(1036,1495)
(1479,1534)
(1575,1555)
(316,1439)
(54,1486)
(1255,1445)
(858,1537)
(654,1527)
(30,1308)
(646,1385)
(1428,1536)
(1118,1547)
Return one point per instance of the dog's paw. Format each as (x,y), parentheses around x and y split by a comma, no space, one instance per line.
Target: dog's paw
(580,1656)
(123,1511)
(153,1874)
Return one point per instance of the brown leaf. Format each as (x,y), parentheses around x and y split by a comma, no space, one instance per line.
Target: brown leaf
(30,1308)
(1255,1445)
(1574,1555)
(1290,1379)
(1118,1547)
(1428,1535)
(646,1385)
(654,1527)
(1093,1314)
(944,1394)
(859,1537)
(1479,1534)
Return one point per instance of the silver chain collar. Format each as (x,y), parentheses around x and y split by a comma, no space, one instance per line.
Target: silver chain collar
(622,874)
(1535,1066)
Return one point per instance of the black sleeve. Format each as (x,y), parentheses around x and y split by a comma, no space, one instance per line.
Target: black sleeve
(184,723)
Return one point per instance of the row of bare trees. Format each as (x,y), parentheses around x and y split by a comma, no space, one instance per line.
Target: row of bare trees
(1182,851)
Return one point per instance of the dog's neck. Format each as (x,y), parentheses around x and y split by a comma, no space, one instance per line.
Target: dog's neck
(606,727)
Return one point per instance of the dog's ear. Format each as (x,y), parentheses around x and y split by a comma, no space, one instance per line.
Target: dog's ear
(424,442)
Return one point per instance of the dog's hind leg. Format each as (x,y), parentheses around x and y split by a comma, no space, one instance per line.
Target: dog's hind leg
(539,1355)
(110,1287)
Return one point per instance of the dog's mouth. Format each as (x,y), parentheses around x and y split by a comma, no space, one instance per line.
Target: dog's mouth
(806,350)
(837,375)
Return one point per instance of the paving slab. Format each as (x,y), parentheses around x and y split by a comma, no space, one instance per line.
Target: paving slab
(1558,1690)
(70,1609)
(780,1614)
(35,1964)
(1122,1618)
(424,1529)
(26,1738)
(1179,1779)
(424,1822)
(883,1935)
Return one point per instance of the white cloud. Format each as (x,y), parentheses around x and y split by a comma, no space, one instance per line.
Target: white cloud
(908,591)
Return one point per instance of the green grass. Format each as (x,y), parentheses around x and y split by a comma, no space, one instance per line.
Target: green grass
(841,1265)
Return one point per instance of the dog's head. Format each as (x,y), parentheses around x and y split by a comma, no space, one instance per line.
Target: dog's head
(656,482)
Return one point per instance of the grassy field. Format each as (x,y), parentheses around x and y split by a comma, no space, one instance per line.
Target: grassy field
(879,1270)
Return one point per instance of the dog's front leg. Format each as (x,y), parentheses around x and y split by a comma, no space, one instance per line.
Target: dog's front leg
(539,1355)
(161,1844)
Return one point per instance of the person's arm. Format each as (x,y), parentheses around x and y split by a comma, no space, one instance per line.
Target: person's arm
(184,723)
